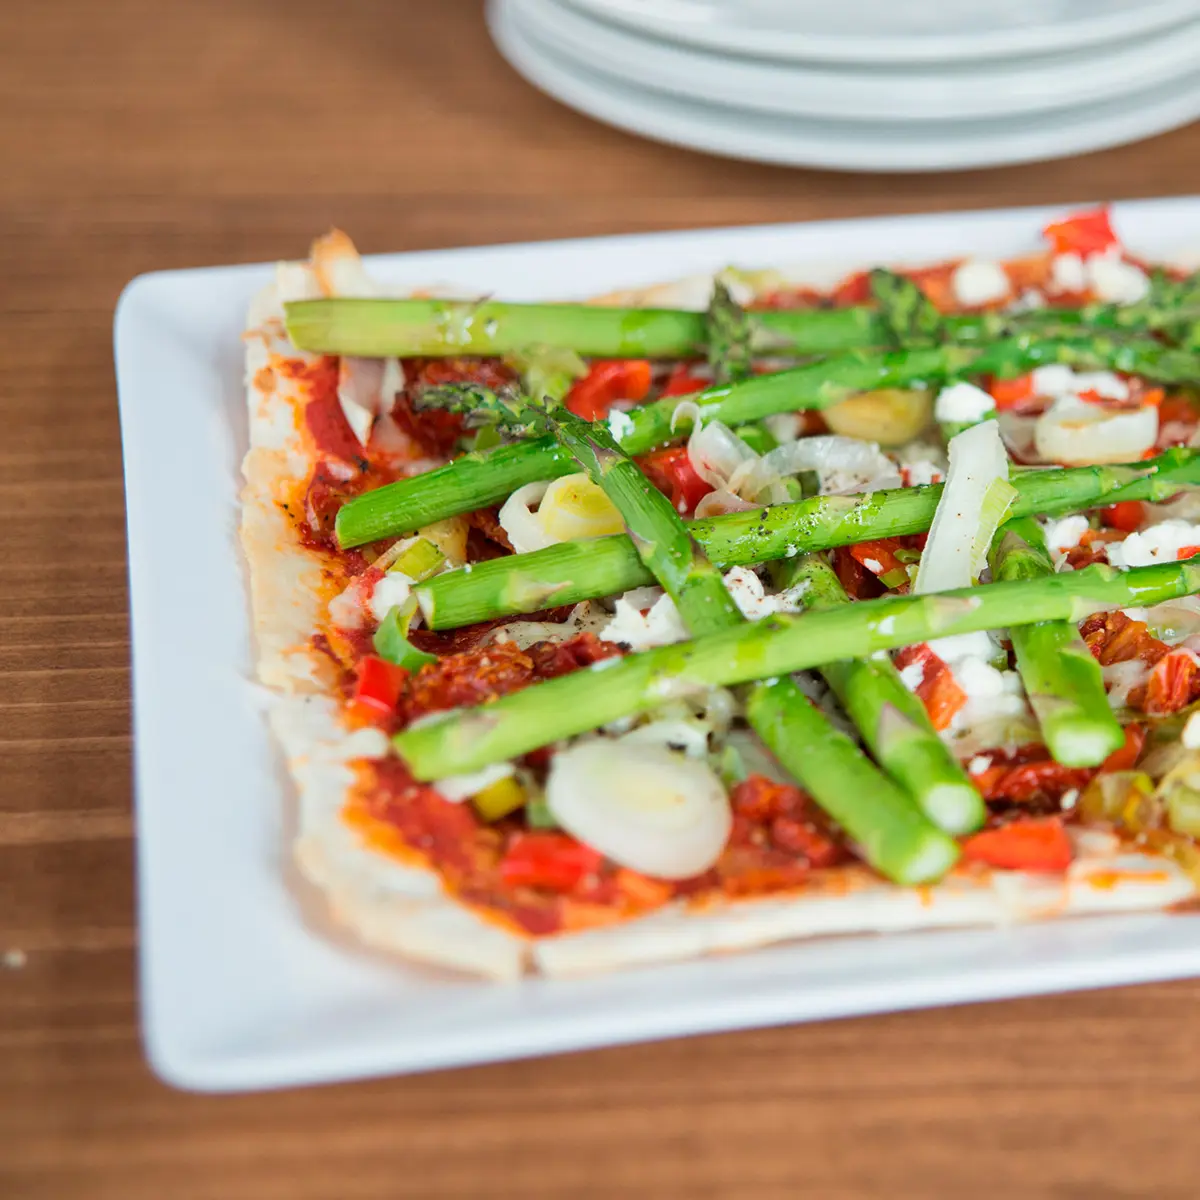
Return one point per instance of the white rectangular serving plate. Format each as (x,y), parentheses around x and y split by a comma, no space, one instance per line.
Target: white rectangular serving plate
(239,990)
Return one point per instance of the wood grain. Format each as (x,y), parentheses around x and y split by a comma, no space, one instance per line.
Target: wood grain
(138,136)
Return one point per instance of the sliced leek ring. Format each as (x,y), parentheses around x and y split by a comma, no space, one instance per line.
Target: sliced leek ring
(643,806)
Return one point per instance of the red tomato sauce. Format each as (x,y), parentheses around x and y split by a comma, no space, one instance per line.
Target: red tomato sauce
(779,839)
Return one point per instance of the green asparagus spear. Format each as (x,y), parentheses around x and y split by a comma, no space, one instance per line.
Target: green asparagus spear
(574,571)
(892,721)
(381,328)
(1061,677)
(730,337)
(471,739)
(482,478)
(892,833)
(895,838)
(908,316)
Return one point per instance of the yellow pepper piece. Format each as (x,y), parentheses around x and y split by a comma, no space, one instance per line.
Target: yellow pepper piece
(499,799)
(575,507)
(889,416)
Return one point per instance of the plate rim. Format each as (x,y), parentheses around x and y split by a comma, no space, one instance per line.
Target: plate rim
(832,48)
(679,121)
(671,68)
(182,1048)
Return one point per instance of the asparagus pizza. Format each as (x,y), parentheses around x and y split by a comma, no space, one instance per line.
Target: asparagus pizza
(731,610)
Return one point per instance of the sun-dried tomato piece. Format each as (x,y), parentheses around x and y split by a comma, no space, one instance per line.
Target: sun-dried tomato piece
(762,800)
(551,659)
(1173,684)
(802,837)
(462,680)
(1113,637)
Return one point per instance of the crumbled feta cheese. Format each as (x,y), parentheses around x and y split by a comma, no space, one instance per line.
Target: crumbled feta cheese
(1069,799)
(960,646)
(1067,273)
(990,693)
(977,282)
(921,463)
(979,679)
(1028,301)
(752,599)
(963,402)
(978,764)
(921,474)
(1191,732)
(1064,534)
(913,675)
(1116,281)
(1159,543)
(1059,380)
(873,565)
(394,588)
(661,626)
(620,424)
(1108,275)
(459,787)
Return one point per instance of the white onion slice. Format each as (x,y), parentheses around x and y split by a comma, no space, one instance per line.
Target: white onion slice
(643,806)
(845,465)
(688,735)
(367,388)
(716,452)
(518,518)
(721,501)
(1076,433)
(966,515)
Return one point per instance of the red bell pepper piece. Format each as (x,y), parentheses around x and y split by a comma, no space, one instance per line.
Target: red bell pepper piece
(1127,516)
(1126,757)
(607,381)
(1012,393)
(879,557)
(681,382)
(1082,233)
(938,689)
(854,289)
(1028,844)
(378,686)
(671,471)
(553,861)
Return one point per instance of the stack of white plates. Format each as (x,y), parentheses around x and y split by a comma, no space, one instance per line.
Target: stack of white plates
(870,85)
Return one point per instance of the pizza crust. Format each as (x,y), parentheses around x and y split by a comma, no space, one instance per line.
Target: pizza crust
(403,908)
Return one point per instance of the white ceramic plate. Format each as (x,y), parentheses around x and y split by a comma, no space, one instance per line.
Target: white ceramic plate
(875,93)
(888,31)
(838,144)
(238,990)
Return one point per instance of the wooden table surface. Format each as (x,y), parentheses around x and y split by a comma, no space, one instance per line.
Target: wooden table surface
(137,136)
